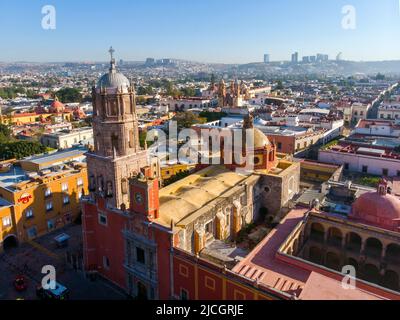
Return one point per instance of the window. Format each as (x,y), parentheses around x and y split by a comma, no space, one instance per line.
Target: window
(140,255)
(66,200)
(279,145)
(398,173)
(346,166)
(64,187)
(385,172)
(32,232)
(47,193)
(124,186)
(49,206)
(79,182)
(6,222)
(106,263)
(50,225)
(29,213)
(102,219)
(365,169)
(184,294)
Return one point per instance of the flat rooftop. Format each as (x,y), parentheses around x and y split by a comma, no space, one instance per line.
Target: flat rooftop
(56,156)
(353,148)
(12,177)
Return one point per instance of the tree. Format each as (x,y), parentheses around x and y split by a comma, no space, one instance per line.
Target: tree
(5,133)
(187,119)
(279,85)
(20,149)
(212,116)
(188,92)
(67,95)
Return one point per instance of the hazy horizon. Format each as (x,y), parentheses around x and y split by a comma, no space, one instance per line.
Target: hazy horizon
(205,31)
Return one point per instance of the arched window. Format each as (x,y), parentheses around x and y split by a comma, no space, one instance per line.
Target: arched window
(373,247)
(124,186)
(317,232)
(334,237)
(92,183)
(393,253)
(100,183)
(109,191)
(353,242)
(114,142)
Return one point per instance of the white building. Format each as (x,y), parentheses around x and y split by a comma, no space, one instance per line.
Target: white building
(389,111)
(367,160)
(68,138)
(359,112)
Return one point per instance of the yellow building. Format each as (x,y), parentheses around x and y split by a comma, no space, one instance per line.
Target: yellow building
(26,118)
(22,118)
(39,202)
(171,170)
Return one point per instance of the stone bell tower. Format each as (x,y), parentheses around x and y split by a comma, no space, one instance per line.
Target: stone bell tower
(117,155)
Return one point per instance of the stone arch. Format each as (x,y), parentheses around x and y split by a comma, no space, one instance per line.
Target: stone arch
(354,263)
(354,242)
(335,236)
(393,253)
(332,261)
(373,247)
(9,242)
(315,255)
(317,231)
(391,280)
(371,273)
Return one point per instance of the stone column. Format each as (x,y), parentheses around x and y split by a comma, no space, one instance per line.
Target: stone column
(199,240)
(220,226)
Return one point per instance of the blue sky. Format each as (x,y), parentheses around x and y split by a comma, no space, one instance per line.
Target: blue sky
(231,31)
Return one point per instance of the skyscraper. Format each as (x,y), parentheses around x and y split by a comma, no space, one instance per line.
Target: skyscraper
(295,57)
(266,58)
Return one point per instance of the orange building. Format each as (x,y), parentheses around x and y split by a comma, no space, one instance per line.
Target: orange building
(33,203)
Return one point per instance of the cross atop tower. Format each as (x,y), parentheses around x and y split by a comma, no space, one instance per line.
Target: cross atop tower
(111,51)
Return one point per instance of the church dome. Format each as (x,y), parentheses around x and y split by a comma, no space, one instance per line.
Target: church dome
(260,139)
(57,106)
(113,79)
(378,208)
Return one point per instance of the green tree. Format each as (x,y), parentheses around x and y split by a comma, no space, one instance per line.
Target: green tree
(5,133)
(20,149)
(67,95)
(188,92)
(212,116)
(187,119)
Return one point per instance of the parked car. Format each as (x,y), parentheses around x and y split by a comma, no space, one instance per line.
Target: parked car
(20,283)
(58,293)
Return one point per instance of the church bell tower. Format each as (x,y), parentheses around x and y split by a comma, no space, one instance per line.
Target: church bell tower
(117,155)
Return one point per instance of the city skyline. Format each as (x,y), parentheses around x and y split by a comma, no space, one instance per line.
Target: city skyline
(191,31)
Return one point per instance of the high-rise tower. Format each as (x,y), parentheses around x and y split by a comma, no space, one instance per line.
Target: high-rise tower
(117,155)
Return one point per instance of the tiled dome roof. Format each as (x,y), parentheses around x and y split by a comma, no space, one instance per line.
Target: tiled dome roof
(378,208)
